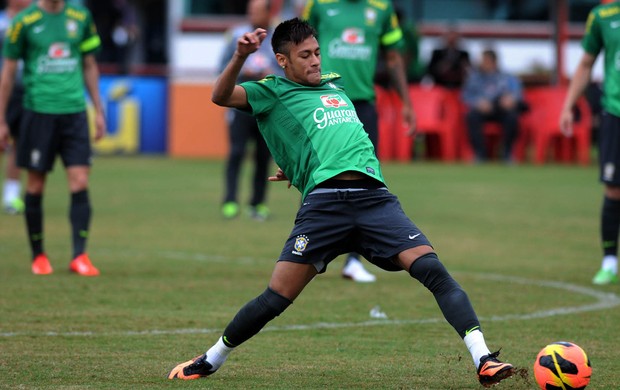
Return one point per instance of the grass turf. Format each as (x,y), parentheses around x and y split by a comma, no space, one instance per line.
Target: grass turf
(522,241)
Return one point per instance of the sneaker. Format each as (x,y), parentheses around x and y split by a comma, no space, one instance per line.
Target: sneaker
(230,210)
(196,368)
(41,265)
(81,265)
(604,276)
(491,371)
(14,207)
(354,270)
(260,212)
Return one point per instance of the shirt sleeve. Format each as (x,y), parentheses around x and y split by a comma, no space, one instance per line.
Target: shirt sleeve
(309,14)
(592,40)
(392,34)
(91,41)
(13,46)
(261,96)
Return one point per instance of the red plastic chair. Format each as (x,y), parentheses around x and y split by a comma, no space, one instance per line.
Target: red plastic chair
(548,141)
(437,113)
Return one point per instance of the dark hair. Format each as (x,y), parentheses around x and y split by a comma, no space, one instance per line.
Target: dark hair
(489,52)
(293,31)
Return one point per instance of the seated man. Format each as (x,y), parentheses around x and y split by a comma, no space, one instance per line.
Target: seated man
(492,95)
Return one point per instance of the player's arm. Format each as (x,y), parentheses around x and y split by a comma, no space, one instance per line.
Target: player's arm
(396,71)
(9,70)
(226,92)
(91,80)
(577,86)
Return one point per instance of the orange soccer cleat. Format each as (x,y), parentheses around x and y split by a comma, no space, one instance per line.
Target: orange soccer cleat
(41,265)
(81,265)
(491,371)
(196,368)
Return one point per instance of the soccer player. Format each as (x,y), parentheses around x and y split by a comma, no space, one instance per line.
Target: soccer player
(56,42)
(242,126)
(319,143)
(602,34)
(11,189)
(351,33)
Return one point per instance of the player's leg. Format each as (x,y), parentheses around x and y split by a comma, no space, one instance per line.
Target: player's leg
(238,133)
(11,189)
(36,153)
(262,158)
(609,158)
(287,282)
(392,241)
(424,265)
(76,155)
(11,193)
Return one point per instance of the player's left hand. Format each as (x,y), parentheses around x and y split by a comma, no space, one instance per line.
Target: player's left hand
(280,176)
(409,120)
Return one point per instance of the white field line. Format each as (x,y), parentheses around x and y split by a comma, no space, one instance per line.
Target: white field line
(603,301)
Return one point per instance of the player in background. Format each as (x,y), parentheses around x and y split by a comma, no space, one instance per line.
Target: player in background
(602,34)
(56,42)
(319,143)
(242,127)
(351,34)
(11,189)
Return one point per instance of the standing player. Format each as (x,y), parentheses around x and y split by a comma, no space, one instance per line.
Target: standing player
(602,34)
(317,139)
(241,126)
(351,33)
(56,42)
(11,189)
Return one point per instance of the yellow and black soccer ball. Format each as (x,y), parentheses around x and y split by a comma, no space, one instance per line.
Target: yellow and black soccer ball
(562,365)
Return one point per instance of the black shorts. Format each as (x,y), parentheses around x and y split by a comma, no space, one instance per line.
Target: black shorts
(333,222)
(609,149)
(15,111)
(43,136)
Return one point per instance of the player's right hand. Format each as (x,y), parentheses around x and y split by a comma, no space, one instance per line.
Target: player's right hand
(566,122)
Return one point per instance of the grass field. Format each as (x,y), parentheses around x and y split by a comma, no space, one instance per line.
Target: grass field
(522,241)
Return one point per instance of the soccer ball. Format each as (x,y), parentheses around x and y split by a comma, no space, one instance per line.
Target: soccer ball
(562,365)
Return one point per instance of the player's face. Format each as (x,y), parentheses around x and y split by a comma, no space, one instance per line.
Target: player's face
(304,63)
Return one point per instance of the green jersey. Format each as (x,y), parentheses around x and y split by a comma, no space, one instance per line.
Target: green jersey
(313,133)
(52,46)
(350,33)
(603,33)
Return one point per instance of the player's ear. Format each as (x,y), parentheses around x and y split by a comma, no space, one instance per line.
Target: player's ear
(282,60)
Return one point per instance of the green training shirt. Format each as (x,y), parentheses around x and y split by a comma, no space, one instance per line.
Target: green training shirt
(350,33)
(52,46)
(313,133)
(603,33)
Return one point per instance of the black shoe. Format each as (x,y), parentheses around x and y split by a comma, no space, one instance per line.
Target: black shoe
(491,371)
(196,368)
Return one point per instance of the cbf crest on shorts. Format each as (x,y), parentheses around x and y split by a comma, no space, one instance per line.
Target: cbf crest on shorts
(301,242)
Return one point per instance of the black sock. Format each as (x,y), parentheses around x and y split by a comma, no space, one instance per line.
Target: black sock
(34,222)
(610,226)
(253,317)
(79,215)
(450,297)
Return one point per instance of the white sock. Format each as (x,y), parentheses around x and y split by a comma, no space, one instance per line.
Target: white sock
(217,354)
(610,263)
(476,345)
(11,190)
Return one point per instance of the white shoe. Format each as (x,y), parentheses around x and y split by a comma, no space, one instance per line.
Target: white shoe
(354,270)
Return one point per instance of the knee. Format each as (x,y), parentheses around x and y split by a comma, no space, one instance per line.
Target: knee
(430,271)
